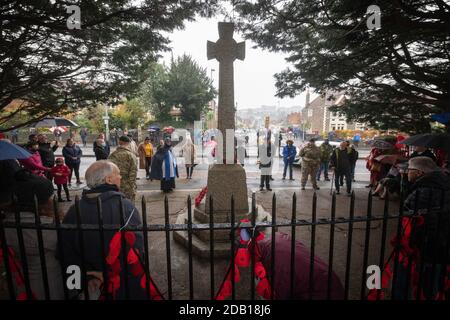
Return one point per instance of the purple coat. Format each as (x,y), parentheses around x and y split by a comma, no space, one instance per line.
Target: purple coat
(282,286)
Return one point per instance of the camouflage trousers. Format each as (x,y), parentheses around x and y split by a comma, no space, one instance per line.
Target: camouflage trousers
(129,191)
(309,170)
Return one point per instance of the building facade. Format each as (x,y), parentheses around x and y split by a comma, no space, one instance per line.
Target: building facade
(318,119)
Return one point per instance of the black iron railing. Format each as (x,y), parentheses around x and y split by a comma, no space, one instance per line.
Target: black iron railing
(293,225)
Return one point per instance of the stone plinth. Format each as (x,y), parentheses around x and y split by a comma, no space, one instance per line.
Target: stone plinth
(222,238)
(225,181)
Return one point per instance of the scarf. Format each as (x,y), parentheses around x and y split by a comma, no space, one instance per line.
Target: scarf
(102,189)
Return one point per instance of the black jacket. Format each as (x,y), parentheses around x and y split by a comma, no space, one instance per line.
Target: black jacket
(70,244)
(342,160)
(69,152)
(107,147)
(100,153)
(431,191)
(47,153)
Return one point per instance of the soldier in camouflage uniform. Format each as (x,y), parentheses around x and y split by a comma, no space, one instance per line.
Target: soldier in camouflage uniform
(310,163)
(125,159)
(325,154)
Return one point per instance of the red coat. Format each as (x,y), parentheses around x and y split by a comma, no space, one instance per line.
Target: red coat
(60,174)
(34,164)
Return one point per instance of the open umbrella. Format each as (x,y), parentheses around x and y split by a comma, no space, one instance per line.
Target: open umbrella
(9,151)
(389,158)
(169,130)
(429,140)
(443,118)
(380,144)
(54,122)
(153,129)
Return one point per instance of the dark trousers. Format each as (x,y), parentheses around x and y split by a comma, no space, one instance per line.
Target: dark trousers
(189,171)
(148,163)
(286,165)
(323,167)
(66,190)
(339,179)
(74,167)
(353,171)
(265,179)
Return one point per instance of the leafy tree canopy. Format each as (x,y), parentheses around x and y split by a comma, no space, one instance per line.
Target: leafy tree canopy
(396,76)
(53,69)
(189,88)
(184,85)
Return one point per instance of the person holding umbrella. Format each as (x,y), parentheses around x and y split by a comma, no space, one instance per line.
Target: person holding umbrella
(47,151)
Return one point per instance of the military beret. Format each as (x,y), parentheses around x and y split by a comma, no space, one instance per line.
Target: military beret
(124,139)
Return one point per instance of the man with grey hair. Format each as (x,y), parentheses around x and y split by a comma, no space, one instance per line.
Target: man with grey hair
(428,205)
(104,180)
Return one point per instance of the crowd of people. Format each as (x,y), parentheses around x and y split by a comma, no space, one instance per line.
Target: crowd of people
(422,177)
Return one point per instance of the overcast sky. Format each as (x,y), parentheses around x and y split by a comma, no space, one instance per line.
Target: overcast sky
(254,77)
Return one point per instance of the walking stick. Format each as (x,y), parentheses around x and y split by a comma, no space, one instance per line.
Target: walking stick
(332,182)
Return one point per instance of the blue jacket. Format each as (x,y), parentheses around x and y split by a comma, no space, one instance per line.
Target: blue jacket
(69,152)
(289,152)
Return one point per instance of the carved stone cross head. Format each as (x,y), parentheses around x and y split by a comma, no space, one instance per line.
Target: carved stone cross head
(226,49)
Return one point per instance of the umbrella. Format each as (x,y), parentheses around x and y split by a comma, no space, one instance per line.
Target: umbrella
(54,122)
(380,144)
(169,130)
(389,158)
(153,129)
(9,151)
(429,140)
(443,118)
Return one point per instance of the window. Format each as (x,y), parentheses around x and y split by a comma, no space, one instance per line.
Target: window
(310,112)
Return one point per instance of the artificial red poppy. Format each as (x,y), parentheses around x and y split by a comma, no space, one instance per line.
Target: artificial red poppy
(114,248)
(263,288)
(242,257)
(260,271)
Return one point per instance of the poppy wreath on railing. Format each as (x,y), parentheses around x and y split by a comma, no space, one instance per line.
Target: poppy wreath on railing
(243,260)
(133,260)
(16,272)
(200,196)
(408,256)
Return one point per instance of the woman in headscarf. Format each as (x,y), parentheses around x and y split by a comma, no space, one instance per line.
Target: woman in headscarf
(164,166)
(190,156)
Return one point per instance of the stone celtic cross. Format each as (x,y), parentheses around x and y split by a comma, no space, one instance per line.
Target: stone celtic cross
(226,50)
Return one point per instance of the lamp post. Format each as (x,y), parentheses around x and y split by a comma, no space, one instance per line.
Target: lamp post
(106,118)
